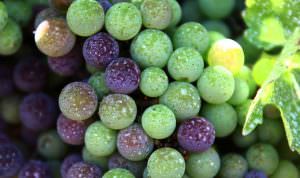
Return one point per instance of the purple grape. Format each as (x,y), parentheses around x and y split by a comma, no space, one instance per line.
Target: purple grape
(7,84)
(71,131)
(133,143)
(100,49)
(29,136)
(122,76)
(3,138)
(255,174)
(68,162)
(30,75)
(11,160)
(35,169)
(79,169)
(66,65)
(196,134)
(38,111)
(136,167)
(105,4)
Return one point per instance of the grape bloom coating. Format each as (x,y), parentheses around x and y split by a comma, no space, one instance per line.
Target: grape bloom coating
(11,159)
(80,169)
(35,168)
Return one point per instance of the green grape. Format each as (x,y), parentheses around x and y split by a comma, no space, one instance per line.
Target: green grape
(217,26)
(137,3)
(123,21)
(54,166)
(85,17)
(191,11)
(246,74)
(285,169)
(183,99)
(154,82)
(226,53)
(285,151)
(100,140)
(244,141)
(222,116)
(215,36)
(185,176)
(191,34)
(262,157)
(10,38)
(233,166)
(117,111)
(151,48)
(216,9)
(251,51)
(176,12)
(157,14)
(9,109)
(20,11)
(271,112)
(97,81)
(185,64)
(118,173)
(3,15)
(263,67)
(216,85)
(242,111)
(100,161)
(271,131)
(91,69)
(158,121)
(205,164)
(241,92)
(167,163)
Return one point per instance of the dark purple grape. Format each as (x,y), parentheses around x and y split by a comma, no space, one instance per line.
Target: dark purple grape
(136,167)
(35,169)
(68,64)
(196,134)
(7,84)
(11,160)
(105,4)
(100,49)
(255,174)
(79,169)
(68,162)
(30,75)
(38,111)
(122,76)
(3,138)
(29,136)
(133,143)
(71,131)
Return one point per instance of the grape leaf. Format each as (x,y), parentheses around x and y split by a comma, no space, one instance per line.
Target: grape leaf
(282,89)
(271,22)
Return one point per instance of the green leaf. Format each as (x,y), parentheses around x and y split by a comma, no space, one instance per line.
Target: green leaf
(281,89)
(271,22)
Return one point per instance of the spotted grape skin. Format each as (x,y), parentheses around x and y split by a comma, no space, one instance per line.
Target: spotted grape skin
(68,162)
(122,76)
(79,169)
(36,169)
(255,174)
(118,173)
(11,159)
(196,134)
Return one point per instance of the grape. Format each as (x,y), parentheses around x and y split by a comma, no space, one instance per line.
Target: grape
(92,69)
(271,131)
(214,36)
(217,26)
(71,131)
(54,38)
(10,38)
(3,15)
(216,85)
(9,107)
(133,143)
(183,99)
(244,141)
(97,81)
(204,165)
(216,9)
(196,134)
(11,159)
(185,64)
(3,138)
(157,14)
(38,111)
(191,11)
(164,159)
(158,121)
(246,74)
(7,84)
(135,167)
(19,11)
(51,146)
(29,136)
(250,50)
(123,21)
(122,76)
(271,112)
(255,174)
(100,49)
(191,34)
(54,166)
(117,111)
(78,101)
(285,169)
(81,169)
(233,165)
(106,4)
(285,151)
(66,65)
(30,75)
(68,162)
(36,169)
(226,53)
(118,173)
(44,14)
(100,140)
(262,157)
(61,5)
(222,116)
(151,48)
(100,161)
(242,111)
(176,12)
(85,17)
(241,92)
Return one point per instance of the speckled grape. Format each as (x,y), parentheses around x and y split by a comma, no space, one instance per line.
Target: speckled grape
(80,169)
(10,38)
(78,101)
(241,92)
(68,162)
(233,165)
(11,159)
(255,174)
(3,15)
(118,173)
(36,169)
(176,12)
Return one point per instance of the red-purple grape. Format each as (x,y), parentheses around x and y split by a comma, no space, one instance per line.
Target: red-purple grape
(11,160)
(35,169)
(122,76)
(7,84)
(79,169)
(196,134)
(68,162)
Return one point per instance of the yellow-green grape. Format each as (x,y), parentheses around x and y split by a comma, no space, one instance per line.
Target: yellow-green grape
(226,53)
(118,173)
(241,92)
(10,38)
(246,74)
(263,67)
(3,15)
(176,12)
(101,161)
(285,169)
